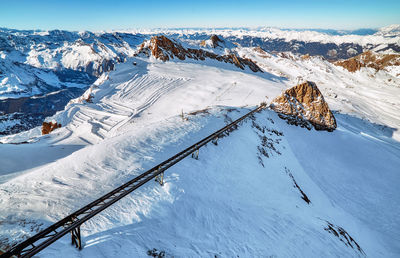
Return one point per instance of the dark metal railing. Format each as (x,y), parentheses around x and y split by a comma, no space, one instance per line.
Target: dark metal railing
(72,222)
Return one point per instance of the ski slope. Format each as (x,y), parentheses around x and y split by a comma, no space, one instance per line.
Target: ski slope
(234,200)
(368,94)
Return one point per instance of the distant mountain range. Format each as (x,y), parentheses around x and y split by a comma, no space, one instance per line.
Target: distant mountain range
(388,31)
(313,173)
(44,63)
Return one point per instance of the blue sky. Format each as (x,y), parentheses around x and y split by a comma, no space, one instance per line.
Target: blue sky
(124,14)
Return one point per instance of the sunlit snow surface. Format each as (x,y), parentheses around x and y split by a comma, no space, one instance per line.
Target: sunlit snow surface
(233,200)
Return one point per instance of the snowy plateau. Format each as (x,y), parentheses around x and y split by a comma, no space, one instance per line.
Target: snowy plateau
(128,100)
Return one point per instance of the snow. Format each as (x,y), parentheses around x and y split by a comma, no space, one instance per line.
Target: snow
(386,36)
(366,93)
(367,185)
(352,51)
(7,124)
(26,54)
(188,216)
(82,54)
(389,31)
(233,200)
(87,51)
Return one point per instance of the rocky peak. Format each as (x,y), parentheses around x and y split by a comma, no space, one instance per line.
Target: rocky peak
(162,48)
(378,61)
(165,49)
(213,42)
(304,105)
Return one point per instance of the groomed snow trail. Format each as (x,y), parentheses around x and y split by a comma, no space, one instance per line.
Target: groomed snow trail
(235,200)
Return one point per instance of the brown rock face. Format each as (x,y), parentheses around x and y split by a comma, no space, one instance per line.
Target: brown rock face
(165,49)
(161,45)
(370,59)
(305,57)
(49,127)
(304,105)
(261,52)
(203,43)
(215,39)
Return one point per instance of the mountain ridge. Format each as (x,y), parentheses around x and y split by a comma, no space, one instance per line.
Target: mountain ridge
(259,176)
(34,64)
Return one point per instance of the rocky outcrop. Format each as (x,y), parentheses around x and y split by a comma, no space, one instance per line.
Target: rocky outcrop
(305,57)
(370,59)
(213,41)
(305,106)
(49,127)
(165,49)
(261,52)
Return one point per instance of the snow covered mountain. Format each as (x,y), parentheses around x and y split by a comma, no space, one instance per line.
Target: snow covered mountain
(41,71)
(331,46)
(35,62)
(35,65)
(389,31)
(267,189)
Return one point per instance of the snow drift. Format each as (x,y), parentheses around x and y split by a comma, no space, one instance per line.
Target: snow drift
(267,189)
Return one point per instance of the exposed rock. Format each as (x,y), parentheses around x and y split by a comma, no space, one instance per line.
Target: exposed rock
(261,52)
(213,42)
(344,237)
(286,55)
(163,48)
(305,57)
(304,105)
(89,99)
(49,127)
(166,49)
(377,61)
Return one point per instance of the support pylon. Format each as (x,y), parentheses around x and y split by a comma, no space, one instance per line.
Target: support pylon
(195,154)
(160,178)
(76,237)
(183,116)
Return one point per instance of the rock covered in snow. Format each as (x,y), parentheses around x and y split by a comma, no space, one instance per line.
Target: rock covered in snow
(213,41)
(304,105)
(165,49)
(378,61)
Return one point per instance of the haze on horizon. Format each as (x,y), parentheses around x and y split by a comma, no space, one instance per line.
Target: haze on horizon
(124,14)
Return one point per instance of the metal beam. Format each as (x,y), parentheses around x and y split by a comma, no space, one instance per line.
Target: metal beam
(72,222)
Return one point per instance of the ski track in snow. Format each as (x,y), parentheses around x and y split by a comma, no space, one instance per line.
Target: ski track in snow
(110,114)
(226,203)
